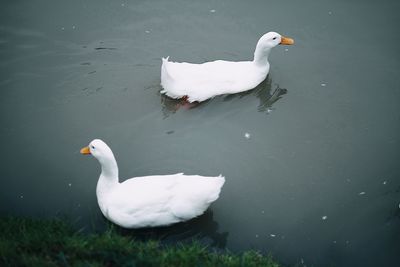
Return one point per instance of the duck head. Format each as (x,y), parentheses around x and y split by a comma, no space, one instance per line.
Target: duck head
(266,42)
(272,39)
(102,152)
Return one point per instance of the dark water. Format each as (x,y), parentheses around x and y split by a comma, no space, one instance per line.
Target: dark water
(311,156)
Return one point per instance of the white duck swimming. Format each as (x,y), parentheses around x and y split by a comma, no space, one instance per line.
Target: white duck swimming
(198,82)
(150,200)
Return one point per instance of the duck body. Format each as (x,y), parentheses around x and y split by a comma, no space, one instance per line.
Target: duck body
(157,200)
(150,201)
(199,82)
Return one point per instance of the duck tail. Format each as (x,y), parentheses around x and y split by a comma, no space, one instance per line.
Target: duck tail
(220,180)
(165,76)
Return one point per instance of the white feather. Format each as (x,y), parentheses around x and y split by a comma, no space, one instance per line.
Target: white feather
(151,200)
(199,82)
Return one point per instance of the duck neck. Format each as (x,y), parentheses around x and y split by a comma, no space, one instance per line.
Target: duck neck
(109,169)
(261,56)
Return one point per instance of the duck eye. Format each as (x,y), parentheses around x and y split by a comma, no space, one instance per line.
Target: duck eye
(93,147)
(274,38)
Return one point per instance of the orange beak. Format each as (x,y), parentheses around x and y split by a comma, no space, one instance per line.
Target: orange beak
(286,41)
(85,150)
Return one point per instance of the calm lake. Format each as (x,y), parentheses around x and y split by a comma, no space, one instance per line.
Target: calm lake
(310,156)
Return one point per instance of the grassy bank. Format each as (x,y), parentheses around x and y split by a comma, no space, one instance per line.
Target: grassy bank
(36,242)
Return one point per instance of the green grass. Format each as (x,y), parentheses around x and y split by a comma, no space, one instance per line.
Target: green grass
(40,242)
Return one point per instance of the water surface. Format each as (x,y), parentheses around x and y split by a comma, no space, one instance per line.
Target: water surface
(310,156)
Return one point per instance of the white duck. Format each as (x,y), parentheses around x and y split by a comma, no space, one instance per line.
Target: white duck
(198,82)
(150,200)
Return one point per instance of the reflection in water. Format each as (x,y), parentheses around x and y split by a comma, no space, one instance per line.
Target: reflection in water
(170,105)
(203,229)
(264,92)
